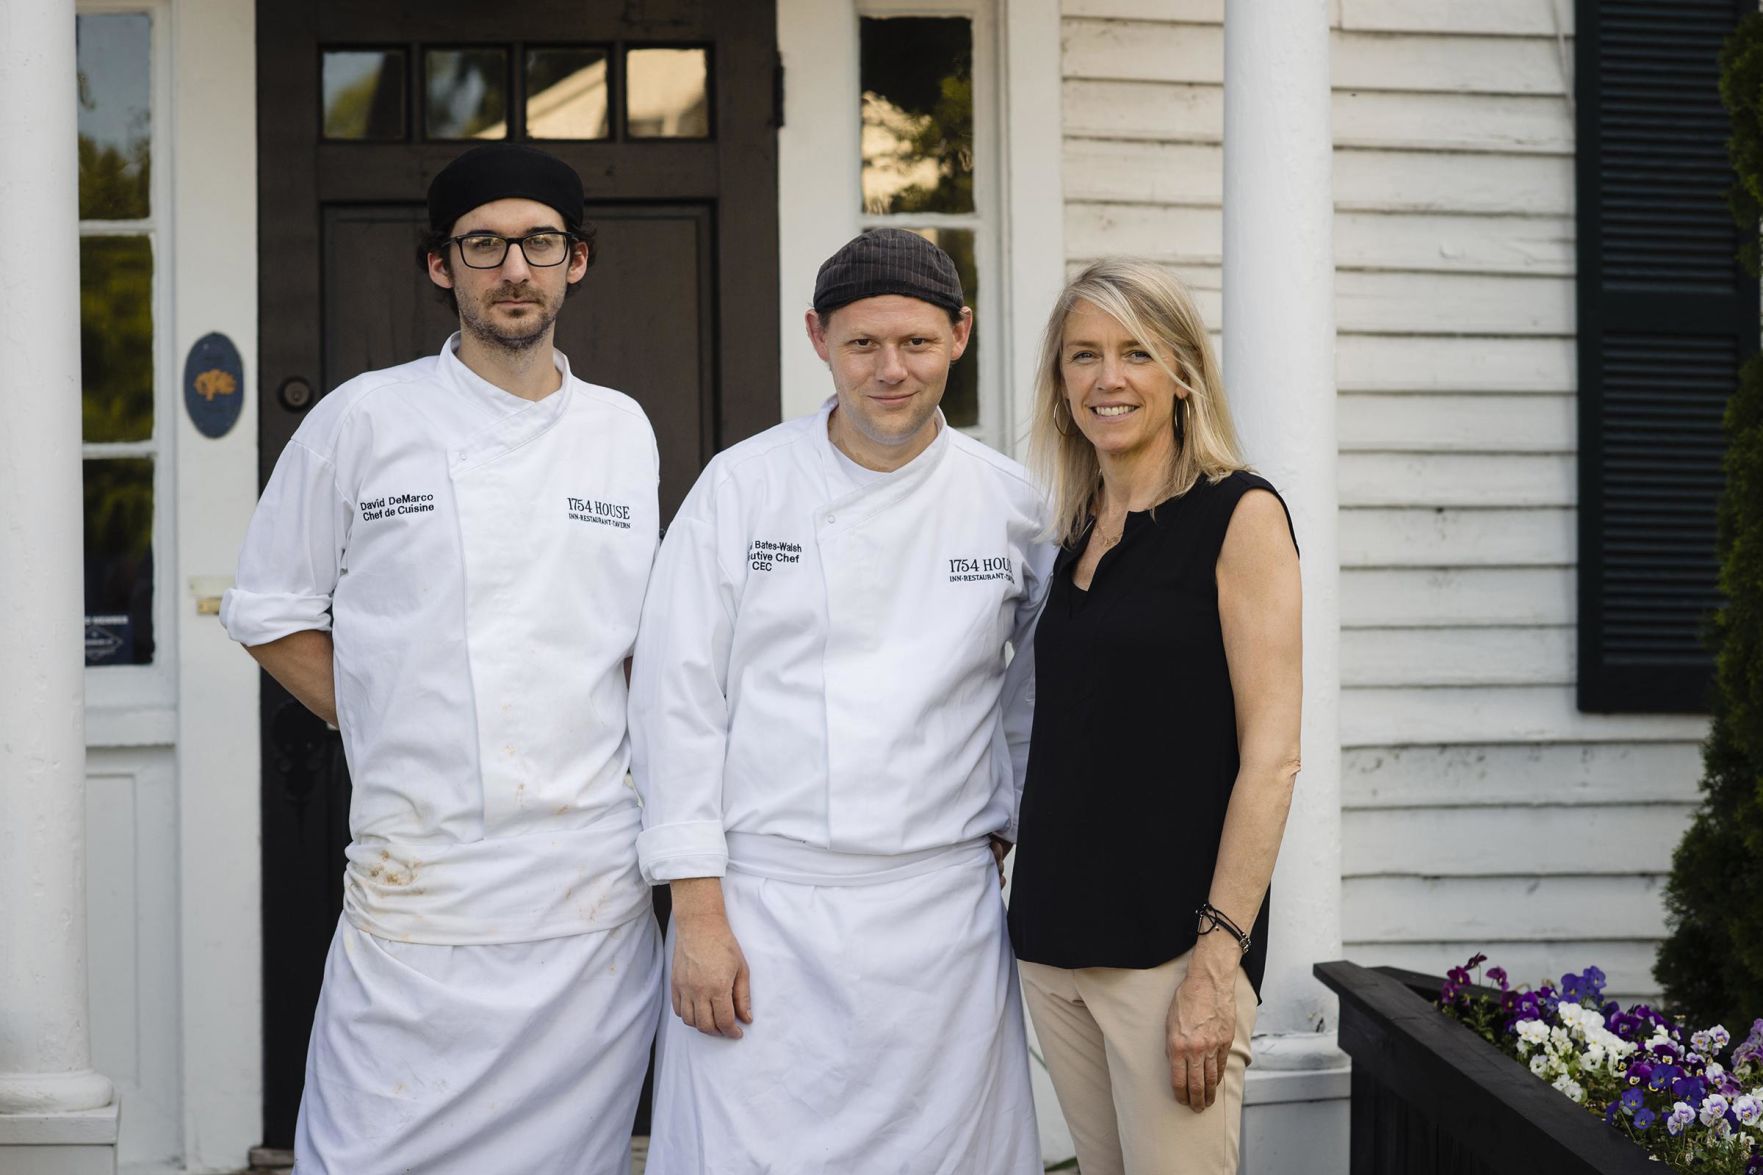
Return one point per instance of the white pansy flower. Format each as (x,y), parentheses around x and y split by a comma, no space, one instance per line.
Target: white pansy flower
(1532,1031)
(1539,1065)
(1570,1087)
(1749,1108)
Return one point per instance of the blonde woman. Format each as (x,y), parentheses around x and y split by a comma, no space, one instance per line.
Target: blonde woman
(1165,738)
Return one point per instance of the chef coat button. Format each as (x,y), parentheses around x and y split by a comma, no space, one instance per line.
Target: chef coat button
(832,517)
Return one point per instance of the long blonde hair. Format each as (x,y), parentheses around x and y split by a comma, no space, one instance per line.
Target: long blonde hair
(1157,310)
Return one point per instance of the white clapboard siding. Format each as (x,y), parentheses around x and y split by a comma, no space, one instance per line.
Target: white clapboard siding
(1506,18)
(1400,363)
(1411,303)
(1445,182)
(1419,658)
(1439,537)
(1521,775)
(1509,124)
(1140,50)
(1484,422)
(1187,234)
(1396,716)
(1436,243)
(1452,65)
(1181,11)
(1449,181)
(1452,303)
(1525,909)
(1143,110)
(1627,964)
(1456,597)
(1152,173)
(1560,840)
(1456,479)
(1176,234)
(1187,113)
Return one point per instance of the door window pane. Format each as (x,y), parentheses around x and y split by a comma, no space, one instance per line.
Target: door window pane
(119,561)
(364,94)
(116,338)
(961,395)
(667,94)
(466,93)
(567,95)
(115,123)
(917,80)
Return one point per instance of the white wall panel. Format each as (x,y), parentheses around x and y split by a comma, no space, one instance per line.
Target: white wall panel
(1444,363)
(1521,909)
(1501,17)
(1456,597)
(1379,716)
(132,933)
(1546,841)
(1456,479)
(1480,422)
(1441,537)
(1521,775)
(1425,657)
(1447,181)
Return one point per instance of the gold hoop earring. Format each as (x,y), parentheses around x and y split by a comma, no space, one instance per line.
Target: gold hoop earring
(1060,428)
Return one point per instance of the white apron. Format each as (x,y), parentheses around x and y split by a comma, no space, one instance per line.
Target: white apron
(481,562)
(871,1052)
(824,710)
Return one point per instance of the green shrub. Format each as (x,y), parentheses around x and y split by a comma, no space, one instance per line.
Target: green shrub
(1711,966)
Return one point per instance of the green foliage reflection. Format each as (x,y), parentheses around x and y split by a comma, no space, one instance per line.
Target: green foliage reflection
(116,338)
(917,80)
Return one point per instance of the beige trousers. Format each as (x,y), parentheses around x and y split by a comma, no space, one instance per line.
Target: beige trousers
(1102,1032)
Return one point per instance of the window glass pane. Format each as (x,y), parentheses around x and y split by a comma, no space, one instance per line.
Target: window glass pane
(566,94)
(115,125)
(467,93)
(119,561)
(961,395)
(667,94)
(364,94)
(917,80)
(116,338)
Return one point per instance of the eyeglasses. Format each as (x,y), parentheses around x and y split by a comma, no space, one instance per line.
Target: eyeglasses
(487,251)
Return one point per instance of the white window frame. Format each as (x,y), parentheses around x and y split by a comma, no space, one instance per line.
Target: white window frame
(136,705)
(986,219)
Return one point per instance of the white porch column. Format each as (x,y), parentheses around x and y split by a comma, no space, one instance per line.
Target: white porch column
(1279,366)
(55,1111)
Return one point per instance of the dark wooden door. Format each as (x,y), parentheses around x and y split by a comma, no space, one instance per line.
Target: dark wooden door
(359,105)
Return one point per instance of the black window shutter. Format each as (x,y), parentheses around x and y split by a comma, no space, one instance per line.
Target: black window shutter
(1666,315)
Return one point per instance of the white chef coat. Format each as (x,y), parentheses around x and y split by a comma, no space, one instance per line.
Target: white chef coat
(480,560)
(826,662)
(825,712)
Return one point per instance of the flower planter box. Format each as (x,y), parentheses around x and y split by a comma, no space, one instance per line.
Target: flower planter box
(1429,1097)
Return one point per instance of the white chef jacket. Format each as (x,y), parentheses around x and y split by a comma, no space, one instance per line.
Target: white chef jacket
(480,560)
(825,661)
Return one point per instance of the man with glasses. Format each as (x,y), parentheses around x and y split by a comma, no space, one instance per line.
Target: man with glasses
(449,564)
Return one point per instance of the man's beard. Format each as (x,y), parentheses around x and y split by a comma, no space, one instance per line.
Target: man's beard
(523,335)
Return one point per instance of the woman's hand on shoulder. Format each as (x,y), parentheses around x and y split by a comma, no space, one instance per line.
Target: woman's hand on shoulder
(1202,1022)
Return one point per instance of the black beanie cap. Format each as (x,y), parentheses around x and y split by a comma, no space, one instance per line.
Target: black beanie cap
(501,171)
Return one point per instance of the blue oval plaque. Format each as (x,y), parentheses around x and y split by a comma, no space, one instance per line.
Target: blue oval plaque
(214,385)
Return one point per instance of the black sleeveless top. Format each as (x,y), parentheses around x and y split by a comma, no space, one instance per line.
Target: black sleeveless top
(1134,750)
